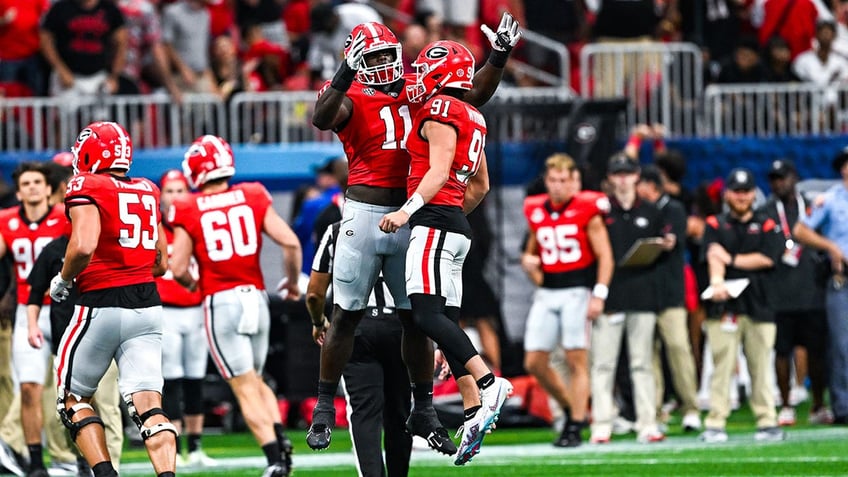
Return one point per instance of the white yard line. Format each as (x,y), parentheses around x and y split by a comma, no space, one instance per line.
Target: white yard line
(615,453)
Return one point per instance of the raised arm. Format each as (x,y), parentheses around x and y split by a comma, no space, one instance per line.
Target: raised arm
(487,78)
(333,106)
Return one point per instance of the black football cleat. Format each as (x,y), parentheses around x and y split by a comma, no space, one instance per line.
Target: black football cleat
(425,423)
(318,436)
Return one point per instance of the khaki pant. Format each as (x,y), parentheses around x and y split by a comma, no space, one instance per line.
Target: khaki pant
(757,339)
(58,442)
(7,383)
(673,330)
(59,445)
(606,344)
(107,401)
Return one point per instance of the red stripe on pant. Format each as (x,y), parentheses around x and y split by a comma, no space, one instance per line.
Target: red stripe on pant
(63,356)
(425,271)
(213,349)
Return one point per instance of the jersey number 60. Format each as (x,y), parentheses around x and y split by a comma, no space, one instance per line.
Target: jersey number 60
(230,232)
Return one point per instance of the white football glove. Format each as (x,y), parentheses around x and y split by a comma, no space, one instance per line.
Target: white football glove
(59,287)
(507,35)
(356,52)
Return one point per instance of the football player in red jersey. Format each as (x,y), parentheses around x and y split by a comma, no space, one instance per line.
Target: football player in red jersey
(24,231)
(115,250)
(448,177)
(366,105)
(222,226)
(184,350)
(568,255)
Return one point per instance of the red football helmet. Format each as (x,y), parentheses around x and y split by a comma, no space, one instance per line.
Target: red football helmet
(173,175)
(378,37)
(208,158)
(441,64)
(64,158)
(102,146)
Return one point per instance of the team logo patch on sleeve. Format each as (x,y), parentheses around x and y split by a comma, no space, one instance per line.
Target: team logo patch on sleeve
(603,204)
(537,216)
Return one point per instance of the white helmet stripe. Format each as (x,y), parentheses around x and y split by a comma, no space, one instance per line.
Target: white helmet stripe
(219,147)
(371,28)
(123,138)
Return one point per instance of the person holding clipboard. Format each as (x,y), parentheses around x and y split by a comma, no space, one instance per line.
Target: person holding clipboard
(630,308)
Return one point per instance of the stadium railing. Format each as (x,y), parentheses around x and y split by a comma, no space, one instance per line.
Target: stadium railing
(51,123)
(775,109)
(154,121)
(663,82)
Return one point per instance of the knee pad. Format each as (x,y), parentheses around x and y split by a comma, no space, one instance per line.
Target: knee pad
(74,428)
(139,420)
(193,397)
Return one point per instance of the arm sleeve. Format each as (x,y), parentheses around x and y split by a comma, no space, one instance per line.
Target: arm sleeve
(42,272)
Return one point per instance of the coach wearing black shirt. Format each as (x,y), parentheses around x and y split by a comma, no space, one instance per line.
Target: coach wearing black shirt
(630,307)
(799,312)
(741,244)
(672,323)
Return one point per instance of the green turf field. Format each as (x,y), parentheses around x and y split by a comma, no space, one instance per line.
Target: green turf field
(808,451)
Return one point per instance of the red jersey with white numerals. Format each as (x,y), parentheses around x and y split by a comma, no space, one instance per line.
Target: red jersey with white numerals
(129,229)
(375,135)
(226,228)
(24,240)
(171,292)
(471,138)
(561,232)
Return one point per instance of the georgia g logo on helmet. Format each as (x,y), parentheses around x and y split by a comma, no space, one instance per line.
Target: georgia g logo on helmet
(83,135)
(436,52)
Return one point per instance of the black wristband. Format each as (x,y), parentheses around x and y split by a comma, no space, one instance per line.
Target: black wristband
(343,78)
(498,58)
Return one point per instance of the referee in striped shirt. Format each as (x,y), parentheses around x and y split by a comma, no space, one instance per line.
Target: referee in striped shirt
(376,383)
